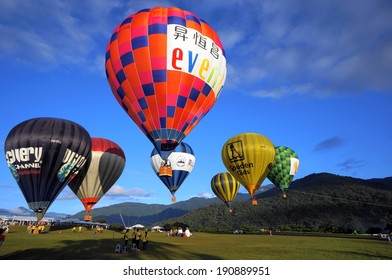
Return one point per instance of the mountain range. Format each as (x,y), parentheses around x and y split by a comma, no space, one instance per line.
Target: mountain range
(317,200)
(148,214)
(22,211)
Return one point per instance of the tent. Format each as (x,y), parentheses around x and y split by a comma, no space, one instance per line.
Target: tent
(137,226)
(156,228)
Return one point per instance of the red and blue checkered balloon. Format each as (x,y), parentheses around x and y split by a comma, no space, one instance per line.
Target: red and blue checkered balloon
(166,68)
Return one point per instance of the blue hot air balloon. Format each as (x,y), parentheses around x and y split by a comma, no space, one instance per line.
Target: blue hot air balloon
(181,160)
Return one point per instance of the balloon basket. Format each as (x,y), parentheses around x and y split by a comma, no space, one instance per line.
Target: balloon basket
(173,199)
(88,218)
(230,210)
(165,171)
(284,195)
(254,201)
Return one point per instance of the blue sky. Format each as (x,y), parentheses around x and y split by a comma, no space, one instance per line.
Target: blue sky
(311,75)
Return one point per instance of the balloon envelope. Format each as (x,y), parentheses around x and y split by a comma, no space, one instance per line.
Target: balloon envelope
(225,186)
(44,154)
(284,168)
(249,158)
(166,68)
(107,165)
(182,160)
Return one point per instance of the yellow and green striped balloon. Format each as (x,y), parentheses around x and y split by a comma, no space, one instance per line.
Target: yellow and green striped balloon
(226,187)
(249,158)
(285,167)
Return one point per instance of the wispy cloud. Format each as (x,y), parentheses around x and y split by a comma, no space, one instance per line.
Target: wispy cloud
(118,191)
(329,144)
(49,34)
(287,45)
(205,195)
(274,48)
(67,194)
(351,164)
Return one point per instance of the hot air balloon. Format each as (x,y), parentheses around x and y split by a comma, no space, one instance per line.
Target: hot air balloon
(166,68)
(93,182)
(284,168)
(44,154)
(182,161)
(226,187)
(249,158)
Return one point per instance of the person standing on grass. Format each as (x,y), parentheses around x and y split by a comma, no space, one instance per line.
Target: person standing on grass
(126,237)
(134,237)
(145,240)
(138,238)
(2,236)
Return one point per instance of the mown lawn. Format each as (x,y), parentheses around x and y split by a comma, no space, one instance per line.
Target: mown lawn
(68,245)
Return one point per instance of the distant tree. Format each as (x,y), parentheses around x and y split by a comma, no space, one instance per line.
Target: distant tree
(180,225)
(373,230)
(388,227)
(99,220)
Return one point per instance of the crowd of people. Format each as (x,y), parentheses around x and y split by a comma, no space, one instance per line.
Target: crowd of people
(139,239)
(40,228)
(179,232)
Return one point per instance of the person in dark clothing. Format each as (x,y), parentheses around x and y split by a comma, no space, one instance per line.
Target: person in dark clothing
(2,236)
(126,237)
(134,237)
(145,240)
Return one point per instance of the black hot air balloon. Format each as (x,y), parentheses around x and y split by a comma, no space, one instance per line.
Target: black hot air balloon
(44,154)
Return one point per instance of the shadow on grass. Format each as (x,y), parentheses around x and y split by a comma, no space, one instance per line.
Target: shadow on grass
(352,255)
(104,249)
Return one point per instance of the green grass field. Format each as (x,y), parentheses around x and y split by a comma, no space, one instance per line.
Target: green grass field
(68,245)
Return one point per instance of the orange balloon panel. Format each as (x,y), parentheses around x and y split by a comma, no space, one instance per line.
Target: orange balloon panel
(166,68)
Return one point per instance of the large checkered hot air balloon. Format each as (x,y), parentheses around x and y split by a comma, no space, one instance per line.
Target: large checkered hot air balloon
(94,181)
(284,168)
(44,155)
(166,68)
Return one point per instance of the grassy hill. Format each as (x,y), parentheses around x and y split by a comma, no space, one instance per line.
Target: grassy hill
(318,202)
(149,214)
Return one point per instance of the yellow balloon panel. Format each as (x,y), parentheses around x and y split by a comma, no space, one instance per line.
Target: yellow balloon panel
(249,158)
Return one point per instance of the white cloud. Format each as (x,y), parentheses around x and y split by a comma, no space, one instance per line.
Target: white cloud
(205,195)
(332,50)
(67,194)
(19,211)
(118,191)
(333,47)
